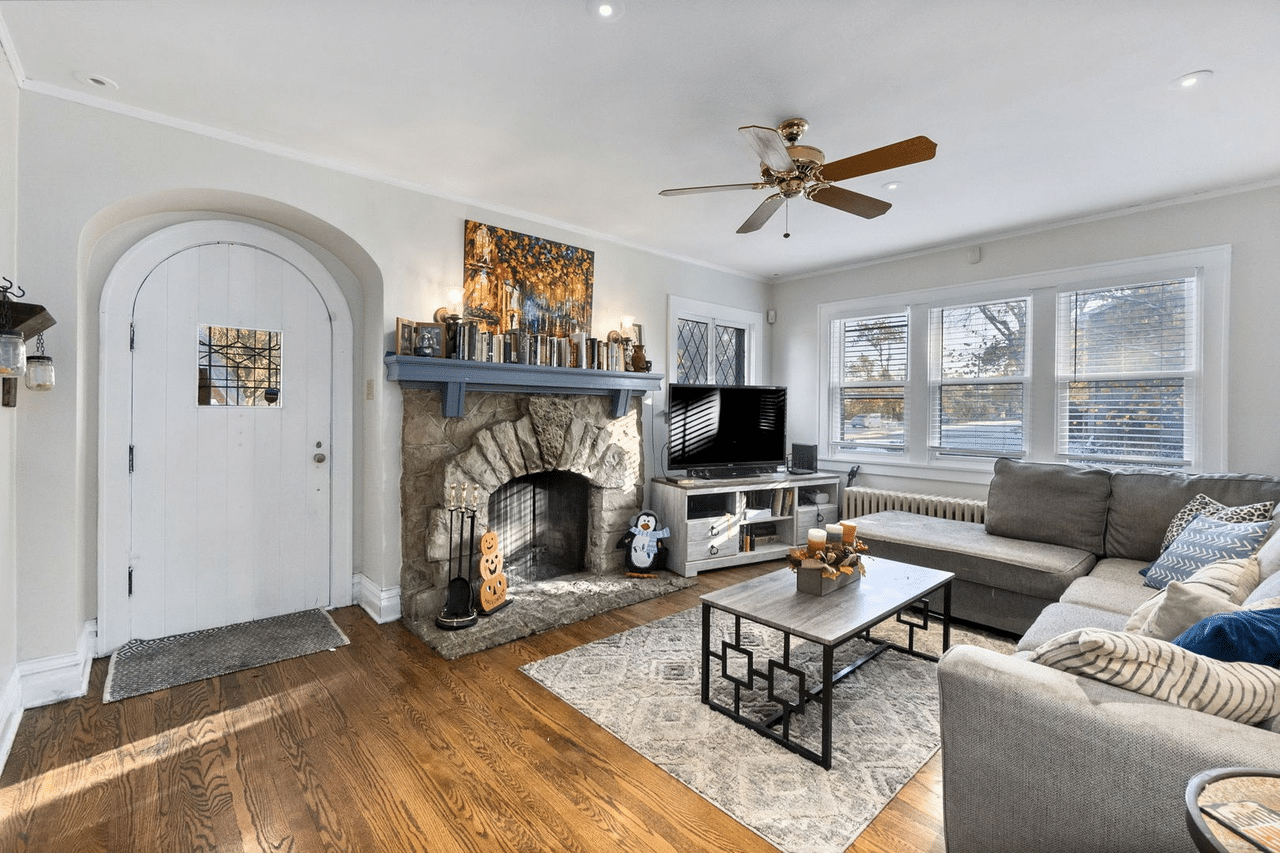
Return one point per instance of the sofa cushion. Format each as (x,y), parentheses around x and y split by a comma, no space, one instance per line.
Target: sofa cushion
(1245,692)
(1268,588)
(1213,589)
(964,547)
(1059,618)
(1144,502)
(1203,542)
(1251,636)
(1110,594)
(1205,505)
(1269,553)
(1045,502)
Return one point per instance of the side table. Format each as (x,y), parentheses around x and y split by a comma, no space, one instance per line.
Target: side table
(1248,792)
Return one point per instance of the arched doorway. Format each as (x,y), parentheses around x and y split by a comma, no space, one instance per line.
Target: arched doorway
(226,391)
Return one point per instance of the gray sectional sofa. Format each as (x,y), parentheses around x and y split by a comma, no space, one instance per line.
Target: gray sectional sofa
(1047,527)
(1038,758)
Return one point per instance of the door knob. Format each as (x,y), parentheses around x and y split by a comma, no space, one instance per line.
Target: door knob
(319,457)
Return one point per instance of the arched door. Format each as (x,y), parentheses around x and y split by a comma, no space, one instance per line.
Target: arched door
(230,422)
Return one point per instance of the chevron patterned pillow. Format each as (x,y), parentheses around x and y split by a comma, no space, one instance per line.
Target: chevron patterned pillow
(1205,505)
(1202,542)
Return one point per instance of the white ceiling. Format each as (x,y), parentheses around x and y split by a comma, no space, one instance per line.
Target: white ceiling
(1043,110)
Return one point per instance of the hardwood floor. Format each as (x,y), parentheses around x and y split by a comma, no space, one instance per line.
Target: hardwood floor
(378,746)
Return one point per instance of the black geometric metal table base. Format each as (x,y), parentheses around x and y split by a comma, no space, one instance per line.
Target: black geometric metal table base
(786,686)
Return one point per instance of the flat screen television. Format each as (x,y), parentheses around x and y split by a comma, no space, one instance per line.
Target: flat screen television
(726,430)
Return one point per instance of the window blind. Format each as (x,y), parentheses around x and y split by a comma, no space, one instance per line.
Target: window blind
(1126,373)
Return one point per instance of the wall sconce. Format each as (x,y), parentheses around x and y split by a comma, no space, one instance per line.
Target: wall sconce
(40,368)
(13,347)
(19,322)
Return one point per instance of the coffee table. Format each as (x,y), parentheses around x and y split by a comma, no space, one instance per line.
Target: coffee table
(889,589)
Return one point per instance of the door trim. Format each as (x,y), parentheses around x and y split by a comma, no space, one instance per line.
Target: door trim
(115,315)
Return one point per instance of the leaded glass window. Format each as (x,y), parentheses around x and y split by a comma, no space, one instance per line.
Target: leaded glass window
(238,367)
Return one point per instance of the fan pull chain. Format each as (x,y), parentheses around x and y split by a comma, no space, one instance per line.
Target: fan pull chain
(787,213)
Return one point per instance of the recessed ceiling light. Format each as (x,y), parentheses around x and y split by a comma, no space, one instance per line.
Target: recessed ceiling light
(96,81)
(1193,80)
(892,185)
(605,10)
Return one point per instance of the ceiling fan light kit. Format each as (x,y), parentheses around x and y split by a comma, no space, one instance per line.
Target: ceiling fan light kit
(795,170)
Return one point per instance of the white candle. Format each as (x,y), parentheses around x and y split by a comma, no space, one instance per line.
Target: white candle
(817,540)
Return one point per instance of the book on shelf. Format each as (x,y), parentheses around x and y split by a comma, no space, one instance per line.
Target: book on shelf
(1252,821)
(777,500)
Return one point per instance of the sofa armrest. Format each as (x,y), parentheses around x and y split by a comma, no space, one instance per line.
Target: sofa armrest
(1038,759)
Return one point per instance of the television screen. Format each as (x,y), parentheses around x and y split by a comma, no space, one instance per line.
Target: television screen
(720,428)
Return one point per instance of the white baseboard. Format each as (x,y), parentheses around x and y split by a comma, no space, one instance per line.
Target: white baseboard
(52,679)
(10,714)
(382,604)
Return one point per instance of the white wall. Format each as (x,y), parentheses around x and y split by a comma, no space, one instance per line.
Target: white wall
(9,697)
(91,181)
(1248,221)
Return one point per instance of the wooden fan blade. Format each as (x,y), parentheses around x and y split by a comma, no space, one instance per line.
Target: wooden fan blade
(715,188)
(914,150)
(769,147)
(762,214)
(850,202)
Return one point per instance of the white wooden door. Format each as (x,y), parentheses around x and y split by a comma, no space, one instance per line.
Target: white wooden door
(229,504)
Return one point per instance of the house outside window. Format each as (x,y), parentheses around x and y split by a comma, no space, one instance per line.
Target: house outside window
(1114,364)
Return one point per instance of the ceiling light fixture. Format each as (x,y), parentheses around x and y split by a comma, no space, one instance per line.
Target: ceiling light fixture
(605,10)
(891,186)
(1193,80)
(96,81)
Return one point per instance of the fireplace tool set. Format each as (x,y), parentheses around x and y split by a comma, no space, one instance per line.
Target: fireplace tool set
(459,608)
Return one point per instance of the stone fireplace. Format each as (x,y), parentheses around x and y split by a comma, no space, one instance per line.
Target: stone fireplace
(502,443)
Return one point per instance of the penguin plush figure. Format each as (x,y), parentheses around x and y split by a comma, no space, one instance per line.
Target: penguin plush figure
(643,542)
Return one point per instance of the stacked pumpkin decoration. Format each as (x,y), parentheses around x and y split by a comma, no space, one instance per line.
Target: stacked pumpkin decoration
(493,581)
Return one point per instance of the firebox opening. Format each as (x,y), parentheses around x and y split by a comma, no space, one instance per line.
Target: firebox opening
(541,522)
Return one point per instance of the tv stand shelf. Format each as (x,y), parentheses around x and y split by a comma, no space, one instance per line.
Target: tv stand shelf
(717,523)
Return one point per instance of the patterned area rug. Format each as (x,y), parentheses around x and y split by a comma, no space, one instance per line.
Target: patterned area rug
(144,666)
(643,685)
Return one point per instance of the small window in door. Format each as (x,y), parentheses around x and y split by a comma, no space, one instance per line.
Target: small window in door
(238,367)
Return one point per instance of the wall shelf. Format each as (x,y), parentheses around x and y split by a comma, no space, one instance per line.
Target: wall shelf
(454,377)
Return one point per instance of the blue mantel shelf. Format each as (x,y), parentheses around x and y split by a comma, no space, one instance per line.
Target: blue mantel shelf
(454,377)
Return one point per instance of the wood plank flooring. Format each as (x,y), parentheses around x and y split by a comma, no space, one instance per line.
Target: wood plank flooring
(378,746)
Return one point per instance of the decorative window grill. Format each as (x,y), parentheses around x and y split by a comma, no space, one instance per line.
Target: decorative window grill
(238,367)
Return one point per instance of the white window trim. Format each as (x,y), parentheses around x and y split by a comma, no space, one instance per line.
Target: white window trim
(1211,263)
(680,307)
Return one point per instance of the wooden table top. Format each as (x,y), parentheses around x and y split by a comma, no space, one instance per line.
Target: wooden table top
(830,619)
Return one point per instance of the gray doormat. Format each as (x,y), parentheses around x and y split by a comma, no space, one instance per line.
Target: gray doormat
(144,666)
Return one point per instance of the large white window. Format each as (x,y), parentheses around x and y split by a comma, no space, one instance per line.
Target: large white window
(869,385)
(1115,364)
(979,369)
(1126,373)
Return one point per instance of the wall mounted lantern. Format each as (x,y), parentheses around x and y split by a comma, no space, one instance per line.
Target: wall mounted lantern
(19,322)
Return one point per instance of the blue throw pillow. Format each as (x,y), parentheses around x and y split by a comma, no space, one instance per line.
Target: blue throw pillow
(1251,636)
(1202,542)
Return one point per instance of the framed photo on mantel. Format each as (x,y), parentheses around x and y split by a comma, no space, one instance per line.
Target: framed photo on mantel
(405,330)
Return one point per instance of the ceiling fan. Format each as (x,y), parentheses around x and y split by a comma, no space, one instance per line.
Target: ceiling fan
(793,170)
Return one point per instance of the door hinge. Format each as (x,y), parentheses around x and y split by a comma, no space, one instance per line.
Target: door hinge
(130,337)
(131,580)
(131,459)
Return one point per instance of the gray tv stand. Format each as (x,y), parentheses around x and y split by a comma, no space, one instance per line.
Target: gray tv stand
(731,522)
